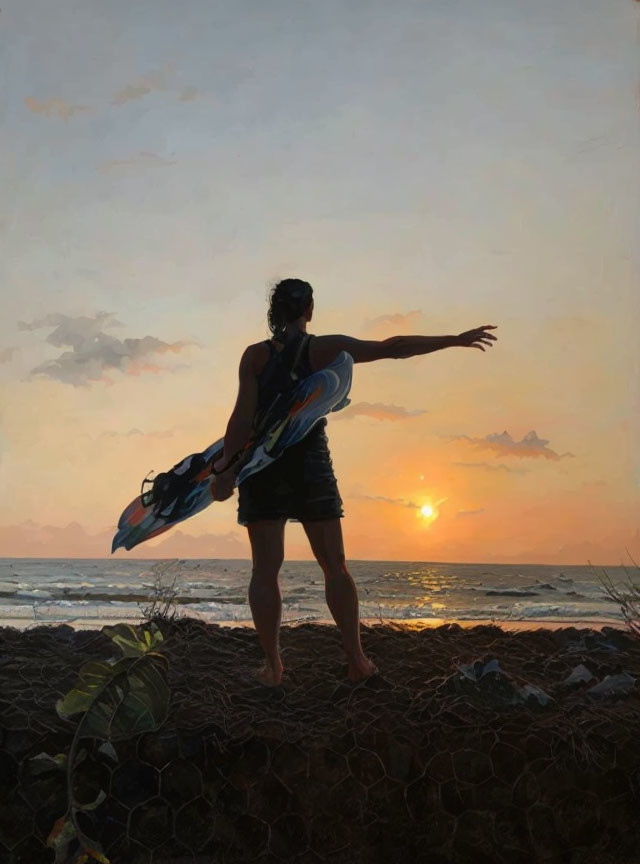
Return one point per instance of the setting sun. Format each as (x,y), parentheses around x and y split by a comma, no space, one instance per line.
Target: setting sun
(427,511)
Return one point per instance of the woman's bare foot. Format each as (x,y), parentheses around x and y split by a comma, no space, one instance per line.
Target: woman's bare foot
(271,675)
(361,668)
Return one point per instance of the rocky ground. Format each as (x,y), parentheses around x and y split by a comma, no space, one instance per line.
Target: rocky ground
(472,745)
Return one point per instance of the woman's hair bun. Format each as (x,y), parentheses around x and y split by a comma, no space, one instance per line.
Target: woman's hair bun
(288,300)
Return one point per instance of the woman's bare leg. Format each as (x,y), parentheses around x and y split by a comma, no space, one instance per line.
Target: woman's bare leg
(325,537)
(267,549)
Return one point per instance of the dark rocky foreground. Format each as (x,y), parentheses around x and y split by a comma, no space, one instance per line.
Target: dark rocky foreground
(425,763)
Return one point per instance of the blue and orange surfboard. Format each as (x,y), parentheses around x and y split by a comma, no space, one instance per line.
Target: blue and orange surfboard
(312,399)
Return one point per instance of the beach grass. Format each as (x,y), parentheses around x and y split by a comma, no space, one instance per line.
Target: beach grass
(626,596)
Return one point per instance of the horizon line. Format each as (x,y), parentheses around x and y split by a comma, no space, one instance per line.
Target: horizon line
(305,560)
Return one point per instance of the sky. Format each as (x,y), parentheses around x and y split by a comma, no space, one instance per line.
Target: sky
(428,166)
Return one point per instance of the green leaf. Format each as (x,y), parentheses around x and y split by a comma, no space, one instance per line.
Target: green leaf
(93,676)
(133,641)
(141,705)
(61,835)
(121,699)
(43,763)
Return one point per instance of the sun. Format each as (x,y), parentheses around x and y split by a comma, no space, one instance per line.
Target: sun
(431,511)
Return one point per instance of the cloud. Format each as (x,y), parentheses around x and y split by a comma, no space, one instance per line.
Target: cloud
(143,159)
(489,467)
(71,331)
(152,82)
(379,411)
(176,544)
(189,94)
(7,354)
(469,512)
(398,502)
(530,447)
(156,81)
(599,554)
(395,319)
(29,539)
(55,108)
(94,352)
(112,433)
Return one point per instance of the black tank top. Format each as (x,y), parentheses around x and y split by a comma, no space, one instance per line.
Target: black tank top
(276,378)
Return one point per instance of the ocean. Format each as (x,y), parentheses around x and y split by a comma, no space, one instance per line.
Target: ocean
(89,592)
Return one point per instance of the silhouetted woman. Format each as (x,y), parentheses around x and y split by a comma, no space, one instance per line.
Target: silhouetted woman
(301,484)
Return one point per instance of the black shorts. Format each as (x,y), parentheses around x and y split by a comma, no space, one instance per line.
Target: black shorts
(300,485)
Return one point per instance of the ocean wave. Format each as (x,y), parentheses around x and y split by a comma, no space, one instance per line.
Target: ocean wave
(218,590)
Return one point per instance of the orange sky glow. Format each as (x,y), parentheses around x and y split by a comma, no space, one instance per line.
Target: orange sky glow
(428,168)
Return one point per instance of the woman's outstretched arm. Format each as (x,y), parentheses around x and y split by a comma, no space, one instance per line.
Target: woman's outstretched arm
(324,349)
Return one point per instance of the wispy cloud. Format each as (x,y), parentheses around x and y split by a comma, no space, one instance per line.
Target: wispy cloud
(487,466)
(529,447)
(93,352)
(188,94)
(7,354)
(154,81)
(398,502)
(159,80)
(394,319)
(55,108)
(69,331)
(461,513)
(143,159)
(379,411)
(134,433)
(77,541)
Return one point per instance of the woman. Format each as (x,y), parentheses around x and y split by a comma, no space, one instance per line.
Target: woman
(301,485)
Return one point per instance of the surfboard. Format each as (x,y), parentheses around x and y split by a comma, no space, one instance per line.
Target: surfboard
(189,487)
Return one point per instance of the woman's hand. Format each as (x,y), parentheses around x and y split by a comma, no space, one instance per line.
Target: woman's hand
(218,465)
(477,338)
(223,483)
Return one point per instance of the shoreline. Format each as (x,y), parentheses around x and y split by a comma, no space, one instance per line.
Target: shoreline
(422,623)
(409,624)
(181,558)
